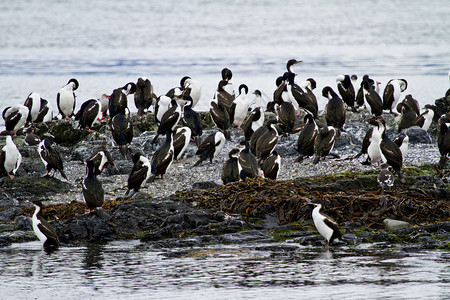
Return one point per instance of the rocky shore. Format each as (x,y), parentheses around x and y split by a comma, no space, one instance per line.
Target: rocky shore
(191,206)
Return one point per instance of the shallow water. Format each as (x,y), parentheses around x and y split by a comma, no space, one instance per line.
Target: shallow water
(252,271)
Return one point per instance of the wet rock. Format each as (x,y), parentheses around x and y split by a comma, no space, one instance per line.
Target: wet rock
(349,238)
(392,224)
(243,236)
(66,133)
(418,136)
(23,223)
(27,188)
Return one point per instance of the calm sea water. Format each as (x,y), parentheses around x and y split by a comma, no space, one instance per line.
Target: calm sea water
(105,44)
(119,270)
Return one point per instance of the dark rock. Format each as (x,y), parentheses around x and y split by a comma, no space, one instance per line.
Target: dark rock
(26,188)
(23,223)
(418,136)
(65,133)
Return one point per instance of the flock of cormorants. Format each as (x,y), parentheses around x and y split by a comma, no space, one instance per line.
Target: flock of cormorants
(180,124)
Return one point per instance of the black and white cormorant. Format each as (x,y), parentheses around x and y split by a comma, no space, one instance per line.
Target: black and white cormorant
(327,227)
(93,192)
(389,152)
(122,132)
(392,93)
(144,96)
(181,140)
(33,102)
(169,120)
(253,122)
(324,143)
(334,110)
(192,120)
(102,158)
(411,103)
(443,140)
(45,112)
(300,100)
(118,101)
(10,158)
(372,99)
(231,169)
(89,112)
(408,116)
(271,166)
(43,230)
(224,96)
(402,141)
(425,118)
(210,147)
(227,75)
(365,145)
(66,99)
(346,90)
(15,118)
(307,137)
(192,88)
(162,158)
(267,142)
(220,115)
(308,86)
(140,172)
(248,162)
(51,158)
(239,107)
(161,107)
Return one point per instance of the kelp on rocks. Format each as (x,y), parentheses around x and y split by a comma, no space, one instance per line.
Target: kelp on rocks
(347,198)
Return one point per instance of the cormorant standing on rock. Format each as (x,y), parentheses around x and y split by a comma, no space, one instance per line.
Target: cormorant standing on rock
(89,112)
(220,116)
(118,100)
(139,173)
(144,96)
(10,158)
(210,147)
(271,166)
(346,90)
(327,227)
(231,169)
(307,137)
(248,162)
(51,158)
(93,192)
(392,93)
(334,110)
(162,158)
(122,132)
(66,100)
(324,143)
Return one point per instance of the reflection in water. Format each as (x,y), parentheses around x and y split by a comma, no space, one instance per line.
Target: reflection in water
(274,270)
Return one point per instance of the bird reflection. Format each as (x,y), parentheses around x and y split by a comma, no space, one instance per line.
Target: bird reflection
(94,256)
